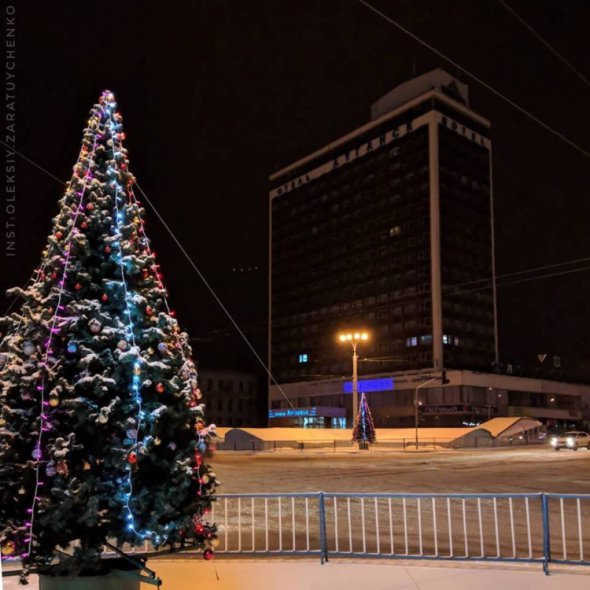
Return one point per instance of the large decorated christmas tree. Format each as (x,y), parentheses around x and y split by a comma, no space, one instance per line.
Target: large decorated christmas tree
(102,432)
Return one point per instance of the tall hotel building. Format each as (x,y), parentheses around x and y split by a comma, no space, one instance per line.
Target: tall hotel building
(390,229)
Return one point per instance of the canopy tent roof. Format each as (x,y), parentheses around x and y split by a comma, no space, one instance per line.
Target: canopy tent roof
(330,434)
(497,428)
(504,427)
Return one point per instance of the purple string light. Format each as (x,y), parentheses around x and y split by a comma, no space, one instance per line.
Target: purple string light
(45,426)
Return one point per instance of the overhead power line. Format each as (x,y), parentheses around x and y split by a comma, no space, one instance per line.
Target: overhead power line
(486,280)
(516,106)
(32,162)
(556,53)
(215,296)
(521,272)
(448,290)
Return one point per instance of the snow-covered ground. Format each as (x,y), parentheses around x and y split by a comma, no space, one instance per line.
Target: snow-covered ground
(514,470)
(521,469)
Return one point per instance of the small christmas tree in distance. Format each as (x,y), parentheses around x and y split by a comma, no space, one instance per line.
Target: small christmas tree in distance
(364,428)
(102,431)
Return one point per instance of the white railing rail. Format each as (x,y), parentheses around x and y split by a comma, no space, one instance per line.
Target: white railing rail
(543,528)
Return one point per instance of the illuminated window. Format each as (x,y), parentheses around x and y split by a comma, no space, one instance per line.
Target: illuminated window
(303,358)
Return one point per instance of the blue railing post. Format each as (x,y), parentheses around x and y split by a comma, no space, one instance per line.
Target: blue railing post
(546,536)
(323,534)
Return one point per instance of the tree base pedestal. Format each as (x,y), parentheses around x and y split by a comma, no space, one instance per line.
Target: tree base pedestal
(109,582)
(363,445)
(114,574)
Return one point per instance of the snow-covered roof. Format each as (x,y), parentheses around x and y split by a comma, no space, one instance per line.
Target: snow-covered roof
(501,427)
(222,431)
(329,434)
(497,427)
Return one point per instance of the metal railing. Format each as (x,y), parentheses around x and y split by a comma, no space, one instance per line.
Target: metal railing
(567,528)
(542,528)
(393,444)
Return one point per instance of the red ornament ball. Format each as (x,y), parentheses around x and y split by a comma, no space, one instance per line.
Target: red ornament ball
(208,555)
(149,310)
(160,388)
(132,457)
(84,225)
(77,286)
(58,235)
(104,297)
(54,275)
(107,249)
(199,529)
(90,206)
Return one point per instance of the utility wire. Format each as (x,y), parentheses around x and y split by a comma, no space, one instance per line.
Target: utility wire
(546,43)
(199,273)
(12,149)
(401,300)
(447,289)
(520,272)
(524,280)
(522,110)
(214,294)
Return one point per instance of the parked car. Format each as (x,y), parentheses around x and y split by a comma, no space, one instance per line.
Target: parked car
(571,440)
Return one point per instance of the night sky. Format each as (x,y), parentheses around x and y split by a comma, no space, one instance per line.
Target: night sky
(217,95)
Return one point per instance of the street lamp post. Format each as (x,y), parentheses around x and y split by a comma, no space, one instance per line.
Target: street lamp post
(416,406)
(354,338)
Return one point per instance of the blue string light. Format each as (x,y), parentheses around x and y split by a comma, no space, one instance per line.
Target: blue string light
(136,380)
(135,386)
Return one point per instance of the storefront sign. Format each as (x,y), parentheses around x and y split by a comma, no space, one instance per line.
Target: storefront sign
(371,385)
(302,413)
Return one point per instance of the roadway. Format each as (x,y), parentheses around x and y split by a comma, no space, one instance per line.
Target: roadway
(504,470)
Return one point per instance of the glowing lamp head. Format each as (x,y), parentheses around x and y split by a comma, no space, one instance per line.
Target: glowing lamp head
(353,337)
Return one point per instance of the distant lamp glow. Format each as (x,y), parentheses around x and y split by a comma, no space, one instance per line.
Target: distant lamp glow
(353,337)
